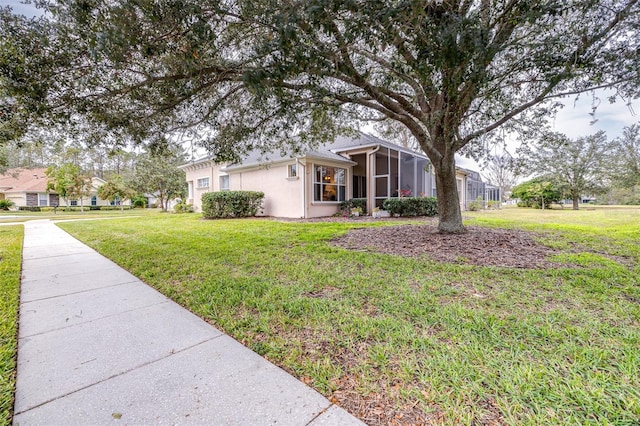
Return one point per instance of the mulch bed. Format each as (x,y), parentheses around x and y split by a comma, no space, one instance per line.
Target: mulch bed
(479,246)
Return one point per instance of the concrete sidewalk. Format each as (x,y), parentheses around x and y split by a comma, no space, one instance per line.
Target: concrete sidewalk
(98,346)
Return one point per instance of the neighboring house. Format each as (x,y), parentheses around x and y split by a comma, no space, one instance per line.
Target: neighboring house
(315,183)
(479,190)
(28,188)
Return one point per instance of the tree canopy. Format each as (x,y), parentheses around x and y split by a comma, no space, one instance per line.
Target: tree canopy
(116,190)
(501,171)
(69,182)
(625,164)
(538,192)
(269,74)
(579,166)
(157,174)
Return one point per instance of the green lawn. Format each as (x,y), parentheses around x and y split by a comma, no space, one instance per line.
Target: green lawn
(10,261)
(405,340)
(23,216)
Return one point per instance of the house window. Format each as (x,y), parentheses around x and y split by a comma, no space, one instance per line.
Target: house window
(203,183)
(115,202)
(94,200)
(73,203)
(42,200)
(329,184)
(292,171)
(224,183)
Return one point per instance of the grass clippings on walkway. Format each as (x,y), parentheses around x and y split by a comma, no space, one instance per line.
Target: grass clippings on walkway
(406,340)
(10,264)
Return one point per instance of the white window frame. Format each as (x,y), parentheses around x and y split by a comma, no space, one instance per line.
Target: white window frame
(323,183)
(203,182)
(40,200)
(292,171)
(225,183)
(73,203)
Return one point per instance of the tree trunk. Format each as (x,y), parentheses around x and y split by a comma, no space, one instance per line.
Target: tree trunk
(576,202)
(449,214)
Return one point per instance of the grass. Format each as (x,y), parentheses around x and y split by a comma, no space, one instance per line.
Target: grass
(24,216)
(407,340)
(10,262)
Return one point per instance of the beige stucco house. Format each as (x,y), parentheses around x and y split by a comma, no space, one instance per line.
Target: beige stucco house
(28,188)
(315,183)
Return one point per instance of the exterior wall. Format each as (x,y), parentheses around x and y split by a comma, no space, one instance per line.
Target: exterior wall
(18,199)
(283,195)
(205,169)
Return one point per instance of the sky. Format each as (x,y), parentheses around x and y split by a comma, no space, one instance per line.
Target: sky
(574,120)
(19,7)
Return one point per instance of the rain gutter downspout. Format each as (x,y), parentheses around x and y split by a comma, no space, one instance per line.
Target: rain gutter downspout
(299,165)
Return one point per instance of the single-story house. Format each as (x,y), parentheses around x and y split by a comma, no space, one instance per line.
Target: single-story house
(316,182)
(28,188)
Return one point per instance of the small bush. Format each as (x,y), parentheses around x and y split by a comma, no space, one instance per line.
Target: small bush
(476,204)
(347,206)
(411,206)
(139,201)
(29,209)
(494,204)
(6,204)
(226,204)
(183,208)
(47,209)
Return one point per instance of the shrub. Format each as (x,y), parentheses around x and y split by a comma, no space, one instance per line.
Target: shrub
(183,208)
(476,204)
(29,209)
(354,203)
(411,206)
(493,204)
(139,201)
(225,204)
(6,204)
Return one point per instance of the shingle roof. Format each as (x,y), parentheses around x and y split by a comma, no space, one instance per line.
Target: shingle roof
(328,151)
(23,180)
(344,143)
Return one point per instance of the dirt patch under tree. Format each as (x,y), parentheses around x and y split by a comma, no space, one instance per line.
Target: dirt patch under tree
(479,246)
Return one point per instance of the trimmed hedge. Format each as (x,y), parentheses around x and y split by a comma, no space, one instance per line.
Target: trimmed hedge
(354,203)
(29,209)
(411,206)
(226,204)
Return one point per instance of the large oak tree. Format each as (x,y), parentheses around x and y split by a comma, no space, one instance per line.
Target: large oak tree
(579,166)
(278,74)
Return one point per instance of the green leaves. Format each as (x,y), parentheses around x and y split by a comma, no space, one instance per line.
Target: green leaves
(68,181)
